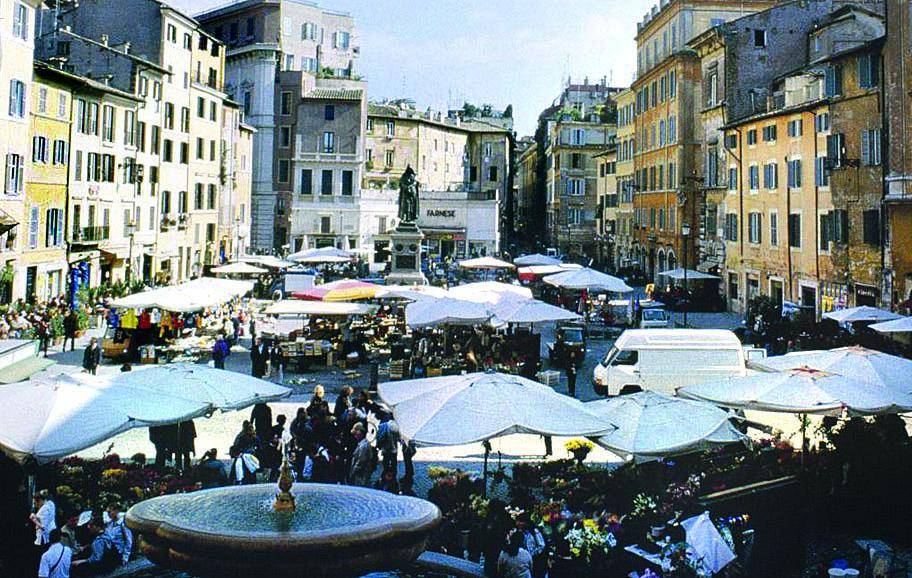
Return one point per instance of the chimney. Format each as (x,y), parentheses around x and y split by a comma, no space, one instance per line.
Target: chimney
(104,39)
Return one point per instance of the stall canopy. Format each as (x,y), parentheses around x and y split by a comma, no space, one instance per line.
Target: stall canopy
(270,261)
(652,425)
(678,275)
(191,296)
(217,388)
(901,325)
(536,259)
(319,308)
(445,311)
(324,255)
(862,313)
(56,416)
(588,279)
(341,290)
(802,391)
(530,311)
(485,263)
(489,292)
(410,292)
(239,268)
(859,363)
(462,409)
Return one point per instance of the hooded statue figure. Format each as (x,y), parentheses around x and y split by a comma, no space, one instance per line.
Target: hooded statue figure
(408,196)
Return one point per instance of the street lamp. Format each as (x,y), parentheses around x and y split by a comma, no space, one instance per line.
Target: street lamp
(685,233)
(131,232)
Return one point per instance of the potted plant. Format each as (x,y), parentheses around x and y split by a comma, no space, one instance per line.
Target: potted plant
(579,448)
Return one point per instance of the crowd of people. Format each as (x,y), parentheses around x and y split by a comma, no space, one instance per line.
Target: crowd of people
(344,444)
(43,321)
(92,544)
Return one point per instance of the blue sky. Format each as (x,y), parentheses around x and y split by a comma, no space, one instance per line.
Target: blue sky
(499,52)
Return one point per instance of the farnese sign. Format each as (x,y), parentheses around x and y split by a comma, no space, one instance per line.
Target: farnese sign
(443,213)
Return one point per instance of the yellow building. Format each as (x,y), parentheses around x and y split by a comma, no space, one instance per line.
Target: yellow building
(626,145)
(44,256)
(778,206)
(606,193)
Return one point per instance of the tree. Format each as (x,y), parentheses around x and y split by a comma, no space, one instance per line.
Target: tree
(469,110)
(508,112)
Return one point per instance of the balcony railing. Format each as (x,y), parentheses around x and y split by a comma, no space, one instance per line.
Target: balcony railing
(92,234)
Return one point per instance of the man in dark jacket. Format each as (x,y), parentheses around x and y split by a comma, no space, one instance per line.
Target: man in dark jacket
(220,351)
(91,357)
(259,356)
(70,327)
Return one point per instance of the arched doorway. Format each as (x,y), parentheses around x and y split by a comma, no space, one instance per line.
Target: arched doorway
(672,260)
(661,263)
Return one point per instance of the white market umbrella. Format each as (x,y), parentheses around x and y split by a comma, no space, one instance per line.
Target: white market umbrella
(239,268)
(266,261)
(462,409)
(801,391)
(652,425)
(489,292)
(220,389)
(862,313)
(54,417)
(536,259)
(541,270)
(324,255)
(678,275)
(445,311)
(901,325)
(531,311)
(868,365)
(588,279)
(319,308)
(486,263)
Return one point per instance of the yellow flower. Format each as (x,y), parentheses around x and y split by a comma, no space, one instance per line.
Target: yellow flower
(590,524)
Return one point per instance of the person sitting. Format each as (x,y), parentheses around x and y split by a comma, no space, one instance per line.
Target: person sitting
(514,560)
(211,470)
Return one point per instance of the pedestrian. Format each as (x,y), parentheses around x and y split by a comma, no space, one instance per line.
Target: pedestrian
(70,327)
(514,560)
(364,460)
(534,543)
(186,435)
(102,556)
(56,561)
(220,351)
(91,357)
(571,373)
(116,529)
(318,406)
(343,404)
(158,436)
(43,333)
(44,519)
(259,357)
(211,470)
(261,418)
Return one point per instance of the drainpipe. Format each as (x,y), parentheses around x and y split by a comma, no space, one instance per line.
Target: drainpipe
(788,230)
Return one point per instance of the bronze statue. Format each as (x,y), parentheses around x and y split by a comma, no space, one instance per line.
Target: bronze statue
(408,196)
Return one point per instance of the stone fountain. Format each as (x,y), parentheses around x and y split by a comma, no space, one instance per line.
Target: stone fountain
(295,530)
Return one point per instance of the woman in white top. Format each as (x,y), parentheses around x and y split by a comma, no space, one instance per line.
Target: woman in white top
(44,518)
(514,561)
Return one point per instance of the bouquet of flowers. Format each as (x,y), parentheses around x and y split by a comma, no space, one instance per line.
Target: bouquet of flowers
(588,539)
(644,506)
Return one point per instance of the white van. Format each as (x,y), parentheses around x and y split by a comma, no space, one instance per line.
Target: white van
(664,360)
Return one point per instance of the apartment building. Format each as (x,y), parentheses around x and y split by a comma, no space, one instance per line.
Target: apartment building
(17,48)
(626,255)
(606,192)
(44,254)
(526,164)
(264,38)
(236,180)
(667,87)
(177,70)
(319,161)
(897,85)
(778,207)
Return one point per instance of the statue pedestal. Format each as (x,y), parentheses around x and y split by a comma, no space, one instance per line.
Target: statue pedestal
(405,244)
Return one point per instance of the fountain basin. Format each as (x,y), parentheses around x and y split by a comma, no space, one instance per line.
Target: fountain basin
(234,531)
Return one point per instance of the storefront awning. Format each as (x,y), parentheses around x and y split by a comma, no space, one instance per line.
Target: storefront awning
(82,256)
(120,252)
(7,222)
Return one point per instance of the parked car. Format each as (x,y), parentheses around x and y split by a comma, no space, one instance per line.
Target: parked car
(665,360)
(570,338)
(654,318)
(115,344)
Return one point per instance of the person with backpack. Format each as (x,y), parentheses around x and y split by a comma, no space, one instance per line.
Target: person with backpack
(57,560)
(102,556)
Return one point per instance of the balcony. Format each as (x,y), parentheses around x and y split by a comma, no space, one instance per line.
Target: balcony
(167,222)
(183,221)
(91,234)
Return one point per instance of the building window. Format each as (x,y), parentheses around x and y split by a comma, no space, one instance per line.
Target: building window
(390,157)
(39,149)
(795,127)
(492,174)
(576,187)
(283,170)
(21,21)
(329,112)
(17,99)
(329,142)
(730,231)
(198,197)
(769,133)
(390,129)
(211,201)
(285,136)
(774,229)
(833,80)
(348,179)
(129,128)
(107,123)
(794,174)
(15,174)
(754,224)
(306,182)
(325,225)
(60,152)
(53,228)
(672,84)
(770,176)
(326,182)
(200,149)
(822,122)
(285,104)
(821,172)
(871,219)
(754,177)
(868,71)
(308,31)
(759,38)
(870,147)
(752,137)
(794,230)
(184,153)
(574,216)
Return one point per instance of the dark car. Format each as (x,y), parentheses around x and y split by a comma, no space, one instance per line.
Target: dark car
(570,339)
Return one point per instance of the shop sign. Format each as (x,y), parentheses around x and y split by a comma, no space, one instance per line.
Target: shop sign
(444,213)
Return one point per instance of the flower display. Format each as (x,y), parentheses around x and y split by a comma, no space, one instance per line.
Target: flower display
(588,539)
(575,445)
